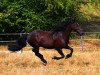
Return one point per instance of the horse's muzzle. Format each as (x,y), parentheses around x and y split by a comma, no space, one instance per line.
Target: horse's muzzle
(81,33)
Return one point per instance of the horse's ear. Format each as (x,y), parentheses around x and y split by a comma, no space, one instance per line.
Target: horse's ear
(72,20)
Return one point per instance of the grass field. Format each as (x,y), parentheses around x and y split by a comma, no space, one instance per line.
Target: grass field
(85,62)
(81,63)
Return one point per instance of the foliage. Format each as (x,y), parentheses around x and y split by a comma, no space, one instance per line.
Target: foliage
(90,8)
(28,15)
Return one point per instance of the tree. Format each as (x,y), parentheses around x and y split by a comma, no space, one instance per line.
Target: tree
(28,15)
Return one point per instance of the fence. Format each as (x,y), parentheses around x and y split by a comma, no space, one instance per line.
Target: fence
(88,36)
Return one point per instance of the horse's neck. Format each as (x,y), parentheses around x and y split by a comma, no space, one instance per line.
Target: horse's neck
(67,33)
(65,30)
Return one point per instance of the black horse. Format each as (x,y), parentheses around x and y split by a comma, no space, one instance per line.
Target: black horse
(57,38)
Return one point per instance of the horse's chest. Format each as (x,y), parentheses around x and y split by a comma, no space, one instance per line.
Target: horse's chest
(59,43)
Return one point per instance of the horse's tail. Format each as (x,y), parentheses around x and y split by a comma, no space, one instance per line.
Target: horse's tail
(19,44)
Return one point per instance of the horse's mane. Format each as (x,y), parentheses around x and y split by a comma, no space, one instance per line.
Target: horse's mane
(61,26)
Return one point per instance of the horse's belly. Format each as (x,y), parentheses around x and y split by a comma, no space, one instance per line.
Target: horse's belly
(59,43)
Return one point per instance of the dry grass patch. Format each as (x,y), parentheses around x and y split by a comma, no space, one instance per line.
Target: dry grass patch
(81,63)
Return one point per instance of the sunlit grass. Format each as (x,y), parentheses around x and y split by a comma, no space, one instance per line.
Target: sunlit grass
(81,63)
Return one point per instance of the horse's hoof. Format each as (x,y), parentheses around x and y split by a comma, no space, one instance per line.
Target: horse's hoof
(68,56)
(57,58)
(44,64)
(54,57)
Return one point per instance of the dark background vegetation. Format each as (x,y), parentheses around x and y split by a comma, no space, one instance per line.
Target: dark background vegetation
(20,16)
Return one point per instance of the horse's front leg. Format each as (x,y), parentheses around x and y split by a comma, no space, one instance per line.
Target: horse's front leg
(70,54)
(61,53)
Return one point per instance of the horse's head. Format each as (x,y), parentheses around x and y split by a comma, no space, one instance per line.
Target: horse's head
(75,26)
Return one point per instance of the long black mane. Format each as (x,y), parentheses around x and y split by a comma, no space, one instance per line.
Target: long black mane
(62,26)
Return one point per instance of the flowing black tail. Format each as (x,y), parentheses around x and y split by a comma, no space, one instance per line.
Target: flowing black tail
(18,45)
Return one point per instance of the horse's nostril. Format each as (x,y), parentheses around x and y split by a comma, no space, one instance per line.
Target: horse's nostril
(81,33)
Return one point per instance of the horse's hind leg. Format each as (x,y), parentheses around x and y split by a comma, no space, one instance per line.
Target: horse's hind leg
(70,54)
(36,51)
(61,53)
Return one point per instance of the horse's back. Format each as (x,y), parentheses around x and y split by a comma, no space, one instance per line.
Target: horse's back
(40,38)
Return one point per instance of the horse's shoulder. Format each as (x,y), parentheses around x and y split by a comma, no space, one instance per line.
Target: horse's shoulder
(58,34)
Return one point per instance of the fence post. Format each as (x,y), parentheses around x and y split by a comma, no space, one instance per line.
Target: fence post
(82,43)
